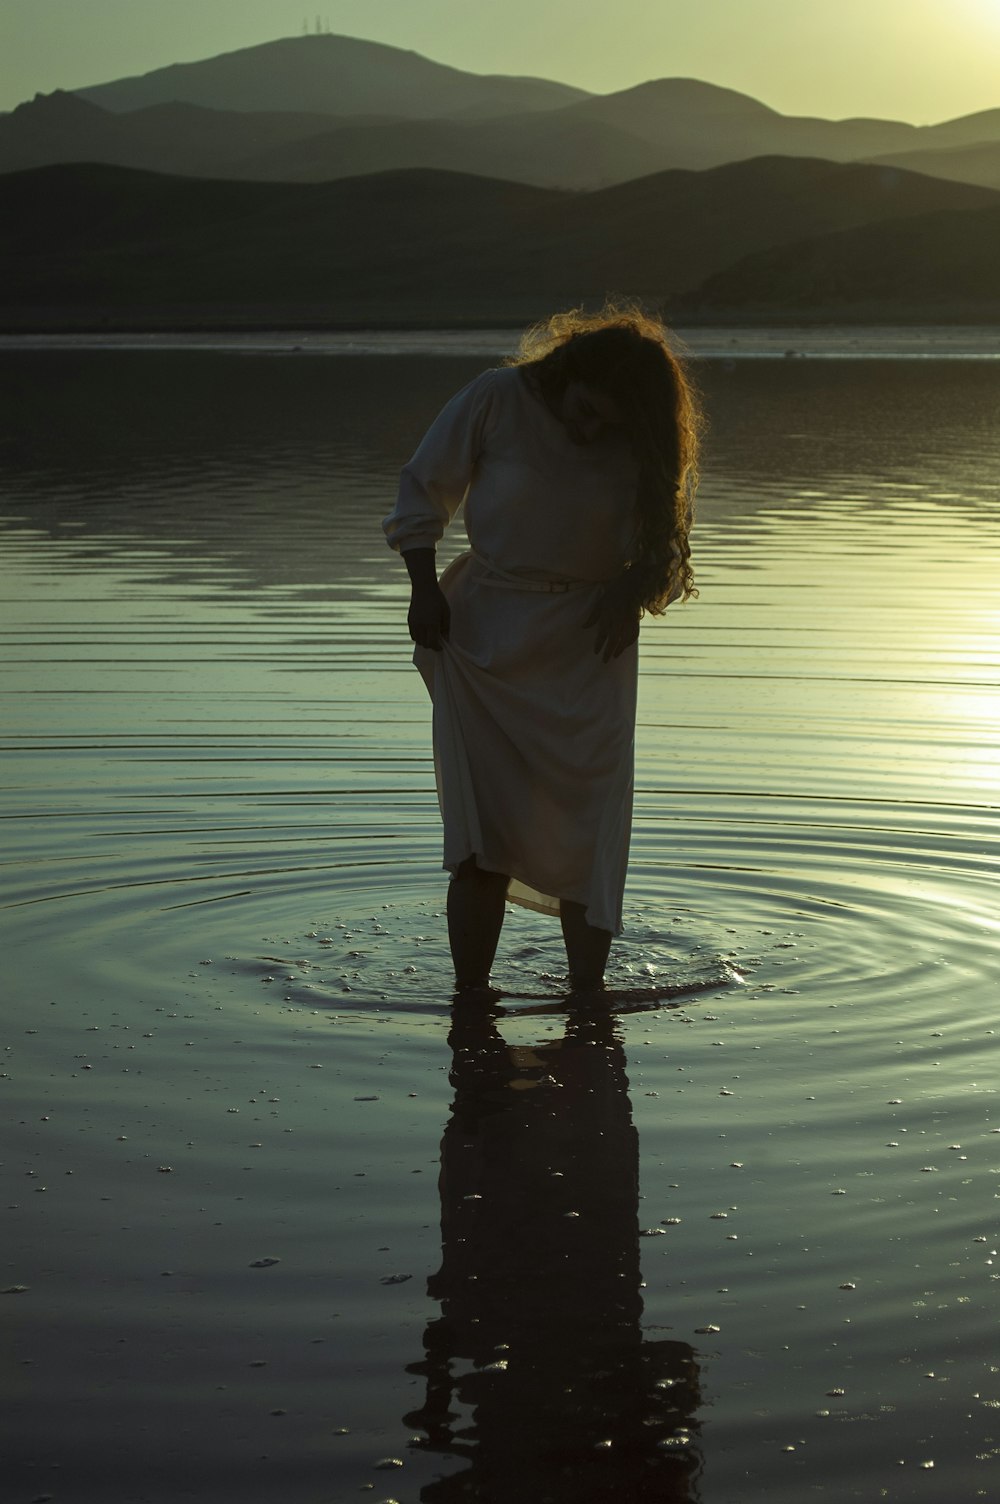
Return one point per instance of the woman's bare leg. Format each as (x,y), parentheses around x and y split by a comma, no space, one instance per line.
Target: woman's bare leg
(475,917)
(586,946)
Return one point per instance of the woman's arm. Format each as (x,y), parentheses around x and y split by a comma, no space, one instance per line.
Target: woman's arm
(435,480)
(432,487)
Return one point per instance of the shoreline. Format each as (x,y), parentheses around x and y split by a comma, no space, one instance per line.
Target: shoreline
(727,342)
(318,319)
(275,323)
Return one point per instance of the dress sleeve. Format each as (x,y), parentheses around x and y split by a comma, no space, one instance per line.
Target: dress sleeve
(434,482)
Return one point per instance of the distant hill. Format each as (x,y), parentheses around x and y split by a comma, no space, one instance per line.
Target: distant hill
(113,238)
(967,130)
(562,153)
(420,246)
(940,267)
(678,227)
(179,138)
(979,163)
(701,125)
(332,75)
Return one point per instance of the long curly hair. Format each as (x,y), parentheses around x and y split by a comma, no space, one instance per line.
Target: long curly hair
(626,353)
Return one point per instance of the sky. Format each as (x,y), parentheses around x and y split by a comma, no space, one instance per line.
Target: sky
(917,60)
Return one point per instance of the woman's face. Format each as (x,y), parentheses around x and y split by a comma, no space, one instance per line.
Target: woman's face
(587,413)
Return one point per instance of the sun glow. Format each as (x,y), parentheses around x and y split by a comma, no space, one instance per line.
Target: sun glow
(982,13)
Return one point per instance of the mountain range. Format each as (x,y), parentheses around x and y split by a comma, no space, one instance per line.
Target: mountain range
(355,182)
(308,109)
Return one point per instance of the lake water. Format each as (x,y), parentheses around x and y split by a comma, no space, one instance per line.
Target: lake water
(280,1224)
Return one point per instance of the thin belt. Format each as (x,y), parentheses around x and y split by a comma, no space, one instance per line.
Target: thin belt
(502,579)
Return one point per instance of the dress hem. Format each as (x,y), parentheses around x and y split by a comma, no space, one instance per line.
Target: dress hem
(538,904)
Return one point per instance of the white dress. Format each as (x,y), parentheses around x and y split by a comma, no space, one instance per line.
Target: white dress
(533,733)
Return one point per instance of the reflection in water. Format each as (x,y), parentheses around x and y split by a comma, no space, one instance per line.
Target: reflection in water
(536,1371)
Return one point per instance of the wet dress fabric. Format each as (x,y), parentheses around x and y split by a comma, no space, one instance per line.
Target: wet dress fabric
(533,732)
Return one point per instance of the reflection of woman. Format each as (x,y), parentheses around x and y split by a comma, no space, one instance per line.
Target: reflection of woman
(577,467)
(536,1371)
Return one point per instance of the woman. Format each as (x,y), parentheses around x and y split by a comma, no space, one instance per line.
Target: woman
(577,465)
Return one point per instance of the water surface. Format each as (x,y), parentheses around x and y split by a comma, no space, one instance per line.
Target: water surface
(735,1239)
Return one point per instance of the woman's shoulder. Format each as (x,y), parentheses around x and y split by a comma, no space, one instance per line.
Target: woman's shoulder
(495,394)
(504,382)
(508,390)
(497,384)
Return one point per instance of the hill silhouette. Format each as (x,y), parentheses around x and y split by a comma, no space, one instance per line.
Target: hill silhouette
(187,139)
(104,237)
(978,163)
(676,228)
(940,267)
(967,130)
(333,75)
(702,125)
(419,246)
(561,153)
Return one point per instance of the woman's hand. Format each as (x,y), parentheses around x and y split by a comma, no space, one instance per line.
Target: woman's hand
(429,616)
(616,617)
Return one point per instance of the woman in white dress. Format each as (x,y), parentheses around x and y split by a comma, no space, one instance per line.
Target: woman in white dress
(577,466)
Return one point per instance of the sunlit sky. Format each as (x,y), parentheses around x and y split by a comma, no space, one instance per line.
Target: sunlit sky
(916,60)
